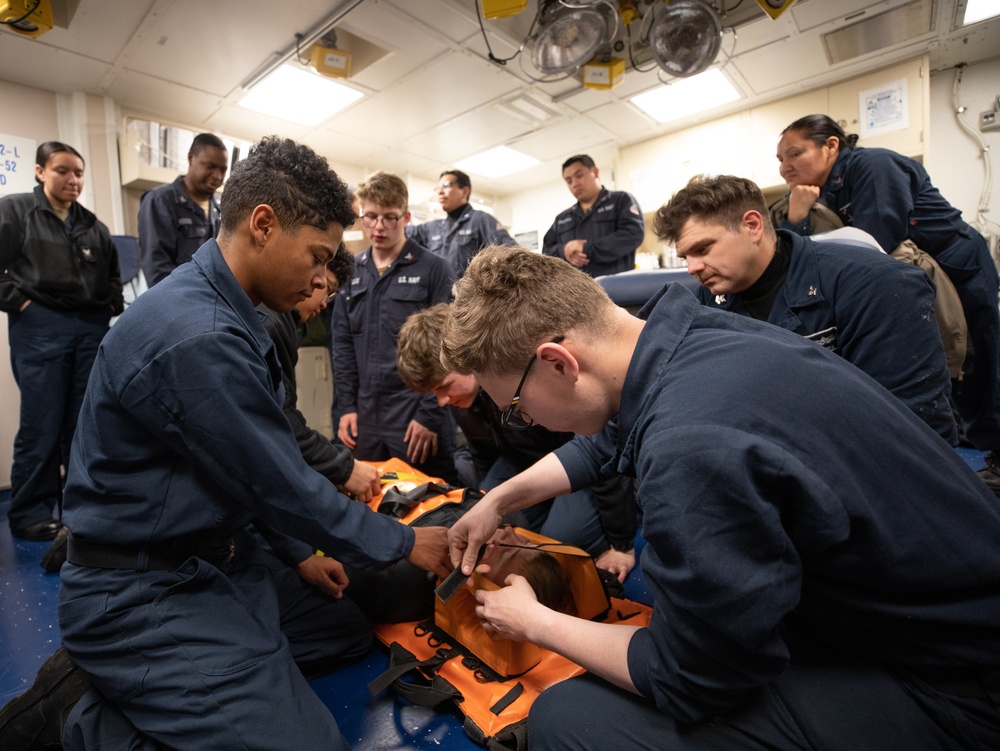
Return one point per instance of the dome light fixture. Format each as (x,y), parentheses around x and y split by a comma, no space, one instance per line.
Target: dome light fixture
(567,37)
(685,37)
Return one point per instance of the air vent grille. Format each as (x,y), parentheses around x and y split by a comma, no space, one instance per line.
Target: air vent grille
(874,33)
(530,109)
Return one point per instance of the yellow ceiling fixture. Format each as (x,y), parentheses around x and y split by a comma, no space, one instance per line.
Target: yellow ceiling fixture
(775,8)
(503,8)
(605,71)
(327,60)
(29,17)
(603,74)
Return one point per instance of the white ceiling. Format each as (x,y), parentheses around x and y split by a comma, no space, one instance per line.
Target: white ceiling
(434,98)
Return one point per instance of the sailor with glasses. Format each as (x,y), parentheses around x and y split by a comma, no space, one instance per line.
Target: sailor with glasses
(504,441)
(394,277)
(465,231)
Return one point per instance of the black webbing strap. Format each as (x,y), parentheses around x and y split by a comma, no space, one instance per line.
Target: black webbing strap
(513,737)
(398,504)
(507,699)
(402,662)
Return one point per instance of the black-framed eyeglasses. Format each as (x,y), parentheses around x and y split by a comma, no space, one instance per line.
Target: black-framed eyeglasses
(389,221)
(512,418)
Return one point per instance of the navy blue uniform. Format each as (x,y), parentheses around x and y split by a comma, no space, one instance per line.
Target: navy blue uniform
(171,229)
(871,310)
(183,438)
(613,229)
(69,271)
(823,567)
(891,197)
(367,315)
(458,240)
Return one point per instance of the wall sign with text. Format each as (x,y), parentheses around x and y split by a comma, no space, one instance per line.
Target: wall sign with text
(17,164)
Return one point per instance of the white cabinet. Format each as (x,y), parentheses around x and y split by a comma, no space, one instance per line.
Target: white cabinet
(314,382)
(10,410)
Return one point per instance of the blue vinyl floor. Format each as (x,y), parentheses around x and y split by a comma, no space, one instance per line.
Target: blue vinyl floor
(29,633)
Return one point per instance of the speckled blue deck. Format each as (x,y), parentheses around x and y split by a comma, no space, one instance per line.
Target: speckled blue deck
(29,634)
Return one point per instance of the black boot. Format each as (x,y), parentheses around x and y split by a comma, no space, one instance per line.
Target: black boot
(990,474)
(35,719)
(55,556)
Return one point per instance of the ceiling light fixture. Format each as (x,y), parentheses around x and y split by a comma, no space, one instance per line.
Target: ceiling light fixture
(294,94)
(497,162)
(567,37)
(980,10)
(684,36)
(688,96)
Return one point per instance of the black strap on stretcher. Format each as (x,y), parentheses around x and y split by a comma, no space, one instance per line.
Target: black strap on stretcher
(429,694)
(397,504)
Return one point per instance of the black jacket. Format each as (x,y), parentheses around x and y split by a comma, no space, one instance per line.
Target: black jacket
(41,261)
(333,461)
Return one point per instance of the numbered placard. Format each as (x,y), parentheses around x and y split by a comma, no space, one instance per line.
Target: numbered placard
(17,164)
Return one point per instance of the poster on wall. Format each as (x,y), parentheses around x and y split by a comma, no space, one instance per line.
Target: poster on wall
(17,164)
(885,109)
(528,240)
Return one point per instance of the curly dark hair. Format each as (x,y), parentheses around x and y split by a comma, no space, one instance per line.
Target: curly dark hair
(293,180)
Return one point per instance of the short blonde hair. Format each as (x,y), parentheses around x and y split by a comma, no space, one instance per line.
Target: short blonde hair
(383,189)
(418,353)
(509,301)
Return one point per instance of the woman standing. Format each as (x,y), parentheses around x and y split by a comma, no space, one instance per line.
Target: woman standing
(891,197)
(59,285)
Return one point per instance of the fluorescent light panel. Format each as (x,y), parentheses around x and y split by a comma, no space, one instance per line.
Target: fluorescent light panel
(497,162)
(295,94)
(687,96)
(980,10)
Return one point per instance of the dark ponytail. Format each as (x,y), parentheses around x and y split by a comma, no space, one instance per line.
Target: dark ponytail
(47,149)
(818,128)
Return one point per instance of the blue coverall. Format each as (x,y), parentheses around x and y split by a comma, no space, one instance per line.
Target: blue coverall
(367,315)
(823,566)
(891,197)
(613,229)
(458,240)
(183,438)
(171,229)
(878,314)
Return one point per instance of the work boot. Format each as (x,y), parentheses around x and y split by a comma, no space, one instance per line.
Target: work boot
(36,718)
(990,474)
(55,556)
(41,531)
